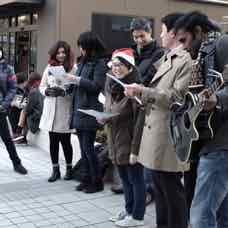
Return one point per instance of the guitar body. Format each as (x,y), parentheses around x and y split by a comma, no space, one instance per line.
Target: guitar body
(187,131)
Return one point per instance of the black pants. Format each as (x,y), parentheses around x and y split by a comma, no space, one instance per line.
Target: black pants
(88,155)
(64,139)
(170,201)
(6,138)
(134,189)
(190,183)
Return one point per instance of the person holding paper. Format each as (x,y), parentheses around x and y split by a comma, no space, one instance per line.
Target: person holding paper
(89,82)
(120,132)
(56,110)
(169,84)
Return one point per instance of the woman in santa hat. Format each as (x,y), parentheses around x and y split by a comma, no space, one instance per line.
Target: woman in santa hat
(121,130)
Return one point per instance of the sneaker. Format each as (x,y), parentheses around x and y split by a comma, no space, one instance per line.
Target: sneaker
(19,168)
(21,140)
(117,188)
(129,222)
(119,216)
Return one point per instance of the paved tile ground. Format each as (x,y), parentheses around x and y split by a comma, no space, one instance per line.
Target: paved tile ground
(30,201)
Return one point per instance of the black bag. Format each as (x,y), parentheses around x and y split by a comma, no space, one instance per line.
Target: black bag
(79,172)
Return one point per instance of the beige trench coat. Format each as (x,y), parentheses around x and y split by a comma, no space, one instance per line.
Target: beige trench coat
(169,84)
(56,110)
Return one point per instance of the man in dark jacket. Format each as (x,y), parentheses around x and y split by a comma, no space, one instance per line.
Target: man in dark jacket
(210,202)
(147,55)
(7,92)
(147,51)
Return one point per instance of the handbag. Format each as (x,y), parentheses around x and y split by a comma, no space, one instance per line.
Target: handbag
(19,101)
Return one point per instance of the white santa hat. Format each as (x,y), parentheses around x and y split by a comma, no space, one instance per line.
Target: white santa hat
(125,53)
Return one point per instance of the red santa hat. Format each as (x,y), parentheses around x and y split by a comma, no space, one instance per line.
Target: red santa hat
(125,53)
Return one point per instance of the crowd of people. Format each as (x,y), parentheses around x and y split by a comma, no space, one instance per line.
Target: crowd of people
(140,84)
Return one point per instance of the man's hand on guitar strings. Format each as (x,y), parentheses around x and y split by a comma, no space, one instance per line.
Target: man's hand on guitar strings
(208,101)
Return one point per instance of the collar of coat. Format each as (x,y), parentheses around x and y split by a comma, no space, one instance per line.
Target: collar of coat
(167,62)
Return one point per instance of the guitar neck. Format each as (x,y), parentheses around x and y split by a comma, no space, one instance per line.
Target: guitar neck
(198,107)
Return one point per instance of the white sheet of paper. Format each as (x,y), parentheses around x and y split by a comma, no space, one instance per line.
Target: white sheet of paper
(57,70)
(122,84)
(101,98)
(98,115)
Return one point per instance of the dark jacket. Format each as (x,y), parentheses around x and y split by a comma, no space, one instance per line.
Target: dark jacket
(7,85)
(221,115)
(34,109)
(85,96)
(121,129)
(145,59)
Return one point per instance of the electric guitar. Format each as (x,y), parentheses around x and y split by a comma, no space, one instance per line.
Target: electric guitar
(189,125)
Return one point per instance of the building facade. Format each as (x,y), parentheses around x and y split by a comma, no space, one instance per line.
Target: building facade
(28,28)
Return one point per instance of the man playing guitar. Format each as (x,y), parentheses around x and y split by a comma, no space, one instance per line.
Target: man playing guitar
(210,203)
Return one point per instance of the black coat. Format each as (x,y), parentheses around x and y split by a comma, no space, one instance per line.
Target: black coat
(34,109)
(85,95)
(145,59)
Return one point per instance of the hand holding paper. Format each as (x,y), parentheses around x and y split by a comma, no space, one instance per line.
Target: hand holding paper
(125,86)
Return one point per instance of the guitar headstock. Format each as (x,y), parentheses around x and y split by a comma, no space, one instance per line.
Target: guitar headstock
(217,76)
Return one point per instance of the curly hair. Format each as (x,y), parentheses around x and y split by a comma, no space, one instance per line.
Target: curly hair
(192,19)
(69,60)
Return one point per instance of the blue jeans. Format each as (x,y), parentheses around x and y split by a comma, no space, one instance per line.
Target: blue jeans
(88,155)
(148,177)
(210,203)
(134,189)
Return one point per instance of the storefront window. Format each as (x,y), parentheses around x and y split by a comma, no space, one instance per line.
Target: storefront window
(33,52)
(12,49)
(24,20)
(13,22)
(118,26)
(4,23)
(20,47)
(34,18)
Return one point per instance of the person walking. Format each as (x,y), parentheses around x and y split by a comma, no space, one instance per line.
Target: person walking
(56,108)
(7,92)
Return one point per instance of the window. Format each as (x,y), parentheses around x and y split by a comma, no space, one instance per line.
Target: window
(24,20)
(114,30)
(34,18)
(4,23)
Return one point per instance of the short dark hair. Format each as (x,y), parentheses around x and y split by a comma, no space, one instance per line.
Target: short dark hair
(170,20)
(91,43)
(21,77)
(34,76)
(68,63)
(140,24)
(195,18)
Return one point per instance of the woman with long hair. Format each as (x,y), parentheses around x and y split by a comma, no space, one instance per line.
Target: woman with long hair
(56,110)
(89,80)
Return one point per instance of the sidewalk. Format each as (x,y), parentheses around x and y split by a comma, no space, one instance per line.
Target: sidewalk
(30,201)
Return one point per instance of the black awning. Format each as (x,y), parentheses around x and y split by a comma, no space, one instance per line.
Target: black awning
(12,7)
(215,2)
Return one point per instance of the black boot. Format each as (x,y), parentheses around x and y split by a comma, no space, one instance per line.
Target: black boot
(55,174)
(95,186)
(19,168)
(69,173)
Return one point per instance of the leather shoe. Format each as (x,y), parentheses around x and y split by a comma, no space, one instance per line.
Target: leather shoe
(19,168)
